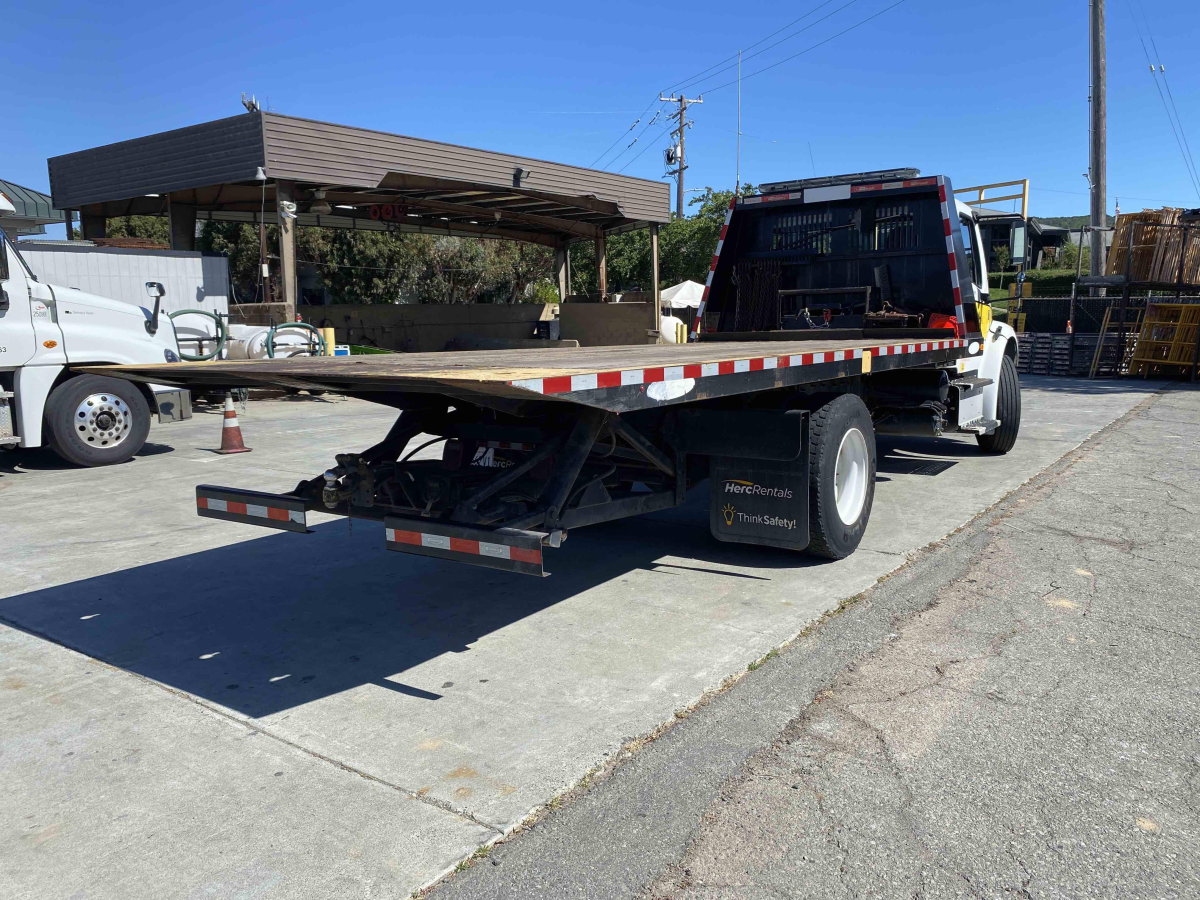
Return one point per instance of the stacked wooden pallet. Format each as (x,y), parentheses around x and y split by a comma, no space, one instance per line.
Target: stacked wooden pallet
(1156,252)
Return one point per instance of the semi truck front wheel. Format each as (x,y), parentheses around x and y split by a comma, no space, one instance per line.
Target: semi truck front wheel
(97,421)
(841,476)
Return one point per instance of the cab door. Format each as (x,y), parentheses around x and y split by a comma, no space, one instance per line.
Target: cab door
(977,254)
(17,344)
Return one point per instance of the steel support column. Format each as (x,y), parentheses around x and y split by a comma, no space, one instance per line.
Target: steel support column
(183,225)
(92,227)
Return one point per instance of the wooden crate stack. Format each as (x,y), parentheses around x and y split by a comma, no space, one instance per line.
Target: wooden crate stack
(1156,251)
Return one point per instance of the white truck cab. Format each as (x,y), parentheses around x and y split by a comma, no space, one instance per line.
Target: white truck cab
(45,331)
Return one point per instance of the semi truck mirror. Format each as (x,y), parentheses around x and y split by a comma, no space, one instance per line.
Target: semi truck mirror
(155,290)
(1016,248)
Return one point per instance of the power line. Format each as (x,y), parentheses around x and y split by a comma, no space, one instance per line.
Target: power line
(755,44)
(693,78)
(664,130)
(618,140)
(1162,70)
(629,146)
(694,81)
(1188,163)
(808,49)
(709,69)
(1115,193)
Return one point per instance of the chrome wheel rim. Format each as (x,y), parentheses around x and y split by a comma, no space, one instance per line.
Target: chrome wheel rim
(102,420)
(850,476)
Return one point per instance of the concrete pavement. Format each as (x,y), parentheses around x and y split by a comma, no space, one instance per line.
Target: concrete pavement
(1014,714)
(449,701)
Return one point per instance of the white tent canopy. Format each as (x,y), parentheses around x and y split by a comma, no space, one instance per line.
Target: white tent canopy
(682,295)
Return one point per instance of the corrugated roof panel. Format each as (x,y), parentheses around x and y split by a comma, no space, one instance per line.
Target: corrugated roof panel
(28,203)
(213,153)
(229,150)
(307,150)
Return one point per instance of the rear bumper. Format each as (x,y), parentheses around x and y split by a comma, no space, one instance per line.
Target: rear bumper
(509,549)
(251,507)
(495,548)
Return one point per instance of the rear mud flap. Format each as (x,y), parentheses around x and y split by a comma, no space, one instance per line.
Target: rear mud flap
(496,548)
(757,501)
(251,507)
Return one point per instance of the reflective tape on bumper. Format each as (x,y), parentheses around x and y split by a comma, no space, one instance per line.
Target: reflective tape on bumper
(251,507)
(497,548)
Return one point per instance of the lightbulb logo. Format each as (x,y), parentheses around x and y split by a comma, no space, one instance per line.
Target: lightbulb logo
(728,512)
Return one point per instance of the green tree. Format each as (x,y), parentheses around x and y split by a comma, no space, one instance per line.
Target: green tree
(151,228)
(238,242)
(1068,256)
(685,248)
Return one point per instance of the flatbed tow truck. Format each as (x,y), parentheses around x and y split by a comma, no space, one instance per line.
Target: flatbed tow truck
(835,309)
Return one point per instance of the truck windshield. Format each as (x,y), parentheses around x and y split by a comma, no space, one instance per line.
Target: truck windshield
(4,241)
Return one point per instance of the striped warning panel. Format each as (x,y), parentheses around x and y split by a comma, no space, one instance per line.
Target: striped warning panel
(498,548)
(948,226)
(251,507)
(566,384)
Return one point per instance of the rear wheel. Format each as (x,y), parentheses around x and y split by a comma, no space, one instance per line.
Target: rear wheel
(841,476)
(1008,411)
(97,421)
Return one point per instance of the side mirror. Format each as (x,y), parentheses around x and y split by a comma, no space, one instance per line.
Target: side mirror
(1016,245)
(157,291)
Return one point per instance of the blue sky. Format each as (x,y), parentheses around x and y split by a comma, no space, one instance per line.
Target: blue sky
(948,87)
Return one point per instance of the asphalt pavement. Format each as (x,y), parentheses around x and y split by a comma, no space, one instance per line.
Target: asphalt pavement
(191,707)
(1013,713)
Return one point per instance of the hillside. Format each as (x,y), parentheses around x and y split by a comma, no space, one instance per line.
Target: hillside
(1072,222)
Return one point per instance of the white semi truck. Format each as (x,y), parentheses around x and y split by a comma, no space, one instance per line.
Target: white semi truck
(45,332)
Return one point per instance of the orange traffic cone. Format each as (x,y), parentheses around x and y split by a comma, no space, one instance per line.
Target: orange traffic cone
(231,431)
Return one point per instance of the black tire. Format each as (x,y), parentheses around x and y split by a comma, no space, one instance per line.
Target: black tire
(829,536)
(111,429)
(1008,411)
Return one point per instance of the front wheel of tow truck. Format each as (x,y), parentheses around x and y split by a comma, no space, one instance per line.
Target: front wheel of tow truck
(97,421)
(841,476)
(1008,411)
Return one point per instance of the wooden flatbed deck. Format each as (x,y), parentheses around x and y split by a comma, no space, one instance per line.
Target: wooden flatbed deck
(618,379)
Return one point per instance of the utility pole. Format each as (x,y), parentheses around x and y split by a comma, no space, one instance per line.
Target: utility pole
(1097,164)
(684,124)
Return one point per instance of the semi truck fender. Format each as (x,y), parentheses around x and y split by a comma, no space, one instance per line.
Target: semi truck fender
(33,386)
(999,342)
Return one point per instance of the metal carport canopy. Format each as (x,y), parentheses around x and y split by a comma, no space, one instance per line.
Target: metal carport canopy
(431,187)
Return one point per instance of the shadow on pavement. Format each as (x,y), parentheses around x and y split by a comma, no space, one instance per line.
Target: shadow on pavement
(43,459)
(283,619)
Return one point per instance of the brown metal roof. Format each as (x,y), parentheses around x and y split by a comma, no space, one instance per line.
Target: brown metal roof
(430,186)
